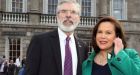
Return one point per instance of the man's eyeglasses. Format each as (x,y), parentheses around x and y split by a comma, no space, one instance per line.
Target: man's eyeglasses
(70,11)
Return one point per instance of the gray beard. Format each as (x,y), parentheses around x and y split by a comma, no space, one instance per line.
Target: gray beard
(67,28)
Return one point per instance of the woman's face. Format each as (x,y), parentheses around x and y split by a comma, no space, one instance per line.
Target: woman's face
(105,36)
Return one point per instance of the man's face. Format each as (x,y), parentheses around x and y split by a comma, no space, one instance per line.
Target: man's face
(68,17)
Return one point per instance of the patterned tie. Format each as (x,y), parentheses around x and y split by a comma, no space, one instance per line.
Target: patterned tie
(68,59)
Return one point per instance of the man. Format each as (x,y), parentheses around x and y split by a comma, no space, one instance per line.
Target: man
(47,53)
(11,68)
(18,64)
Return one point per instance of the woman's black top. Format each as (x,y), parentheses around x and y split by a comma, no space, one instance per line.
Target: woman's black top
(100,70)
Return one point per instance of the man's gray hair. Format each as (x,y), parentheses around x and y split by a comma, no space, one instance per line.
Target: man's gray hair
(69,1)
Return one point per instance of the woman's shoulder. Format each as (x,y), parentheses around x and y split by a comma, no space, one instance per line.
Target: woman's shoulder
(130,51)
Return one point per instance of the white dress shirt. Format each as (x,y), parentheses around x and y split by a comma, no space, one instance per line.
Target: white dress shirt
(62,39)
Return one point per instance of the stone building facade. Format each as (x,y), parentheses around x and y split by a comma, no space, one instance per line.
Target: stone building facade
(21,19)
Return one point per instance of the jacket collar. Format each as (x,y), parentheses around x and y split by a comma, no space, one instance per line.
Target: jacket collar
(93,54)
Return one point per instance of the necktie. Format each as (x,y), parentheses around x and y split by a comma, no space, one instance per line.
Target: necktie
(68,59)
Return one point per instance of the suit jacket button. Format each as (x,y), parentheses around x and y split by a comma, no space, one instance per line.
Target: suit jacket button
(119,59)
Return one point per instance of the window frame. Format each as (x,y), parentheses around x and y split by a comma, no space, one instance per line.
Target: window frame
(124,9)
(9,6)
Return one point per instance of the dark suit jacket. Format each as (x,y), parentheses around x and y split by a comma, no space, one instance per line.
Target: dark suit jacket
(11,69)
(44,56)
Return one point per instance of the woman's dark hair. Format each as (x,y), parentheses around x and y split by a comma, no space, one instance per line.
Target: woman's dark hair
(118,31)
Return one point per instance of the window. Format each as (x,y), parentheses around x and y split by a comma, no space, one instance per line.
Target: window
(52,4)
(119,9)
(16,5)
(14,48)
(88,7)
(49,6)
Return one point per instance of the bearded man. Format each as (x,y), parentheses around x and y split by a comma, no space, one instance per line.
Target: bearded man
(58,52)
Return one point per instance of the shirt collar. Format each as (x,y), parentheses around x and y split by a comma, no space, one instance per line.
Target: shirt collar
(63,36)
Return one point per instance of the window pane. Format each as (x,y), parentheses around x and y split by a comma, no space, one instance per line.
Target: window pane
(118,9)
(17,5)
(86,7)
(17,0)
(18,47)
(21,5)
(14,47)
(11,54)
(52,6)
(13,4)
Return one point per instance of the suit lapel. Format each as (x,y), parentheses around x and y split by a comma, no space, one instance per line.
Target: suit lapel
(56,50)
(78,46)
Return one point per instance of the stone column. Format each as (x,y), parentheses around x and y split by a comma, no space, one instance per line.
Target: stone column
(34,11)
(35,6)
(103,7)
(0,5)
(34,18)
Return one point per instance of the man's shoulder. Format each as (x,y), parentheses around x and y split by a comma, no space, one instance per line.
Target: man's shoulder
(46,34)
(80,41)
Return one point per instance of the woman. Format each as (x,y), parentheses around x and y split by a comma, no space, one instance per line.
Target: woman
(110,55)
